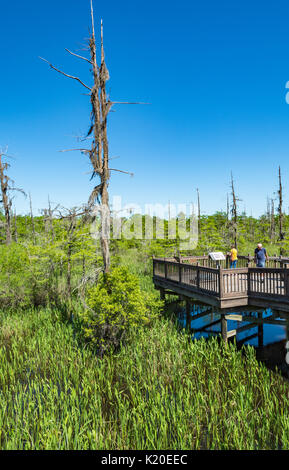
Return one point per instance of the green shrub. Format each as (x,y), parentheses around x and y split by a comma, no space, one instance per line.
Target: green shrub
(115,305)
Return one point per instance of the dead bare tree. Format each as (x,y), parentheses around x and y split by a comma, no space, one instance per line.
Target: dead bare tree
(4,179)
(7,185)
(48,218)
(234,211)
(15,227)
(98,153)
(226,227)
(32,219)
(199,212)
(280,208)
(71,221)
(268,210)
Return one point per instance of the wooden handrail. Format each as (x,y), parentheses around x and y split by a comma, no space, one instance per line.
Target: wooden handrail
(223,282)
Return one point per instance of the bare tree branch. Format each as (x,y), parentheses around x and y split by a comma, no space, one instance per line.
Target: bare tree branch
(79,56)
(73,150)
(92,19)
(127,102)
(121,171)
(65,74)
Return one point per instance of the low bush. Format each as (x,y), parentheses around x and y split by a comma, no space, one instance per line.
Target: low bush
(114,306)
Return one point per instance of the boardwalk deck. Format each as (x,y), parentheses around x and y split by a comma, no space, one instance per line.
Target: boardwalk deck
(222,287)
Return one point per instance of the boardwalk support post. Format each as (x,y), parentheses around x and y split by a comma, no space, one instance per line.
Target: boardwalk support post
(224,328)
(248,260)
(260,331)
(162,293)
(220,273)
(188,314)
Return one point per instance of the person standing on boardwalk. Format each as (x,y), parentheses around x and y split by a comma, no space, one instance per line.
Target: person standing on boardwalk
(260,256)
(233,253)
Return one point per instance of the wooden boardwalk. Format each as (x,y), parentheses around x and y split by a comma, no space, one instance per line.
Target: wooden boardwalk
(194,278)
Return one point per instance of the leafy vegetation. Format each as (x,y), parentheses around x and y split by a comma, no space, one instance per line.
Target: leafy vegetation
(115,305)
(160,391)
(154,388)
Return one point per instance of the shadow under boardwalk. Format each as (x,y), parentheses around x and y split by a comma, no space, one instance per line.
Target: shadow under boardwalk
(265,330)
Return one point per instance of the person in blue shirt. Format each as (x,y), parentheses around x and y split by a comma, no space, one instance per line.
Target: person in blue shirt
(260,256)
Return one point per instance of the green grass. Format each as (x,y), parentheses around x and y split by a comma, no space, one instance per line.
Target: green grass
(160,391)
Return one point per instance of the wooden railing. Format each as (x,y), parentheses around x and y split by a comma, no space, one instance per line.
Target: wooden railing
(234,282)
(204,261)
(202,278)
(225,283)
(197,277)
(244,261)
(272,262)
(269,282)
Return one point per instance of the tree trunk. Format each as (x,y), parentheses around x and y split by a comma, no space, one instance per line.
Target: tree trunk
(280,211)
(68,278)
(98,153)
(234,212)
(199,213)
(32,219)
(15,228)
(5,199)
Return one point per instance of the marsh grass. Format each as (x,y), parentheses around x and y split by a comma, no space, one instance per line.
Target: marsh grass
(160,391)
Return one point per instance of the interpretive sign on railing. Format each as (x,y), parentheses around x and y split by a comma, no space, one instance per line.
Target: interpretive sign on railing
(217,256)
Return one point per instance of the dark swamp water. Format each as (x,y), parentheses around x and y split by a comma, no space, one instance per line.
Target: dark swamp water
(269,340)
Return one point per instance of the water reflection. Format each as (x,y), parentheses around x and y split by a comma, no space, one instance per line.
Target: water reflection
(268,339)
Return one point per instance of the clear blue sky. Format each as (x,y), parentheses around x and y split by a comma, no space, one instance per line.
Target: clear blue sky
(214,73)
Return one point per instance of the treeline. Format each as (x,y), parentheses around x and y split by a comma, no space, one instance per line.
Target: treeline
(218,231)
(214,231)
(49,258)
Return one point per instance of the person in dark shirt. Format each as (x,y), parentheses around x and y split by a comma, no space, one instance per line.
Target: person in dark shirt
(260,256)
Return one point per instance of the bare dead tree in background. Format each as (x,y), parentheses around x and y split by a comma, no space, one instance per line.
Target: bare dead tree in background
(234,211)
(4,179)
(280,208)
(227,222)
(70,220)
(7,186)
(268,210)
(32,219)
(199,212)
(48,218)
(98,153)
(15,227)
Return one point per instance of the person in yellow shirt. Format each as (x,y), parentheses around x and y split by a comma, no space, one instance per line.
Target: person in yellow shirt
(233,253)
